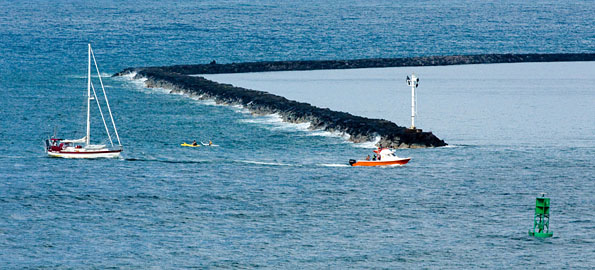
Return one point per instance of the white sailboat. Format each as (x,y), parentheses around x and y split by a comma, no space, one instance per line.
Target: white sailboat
(82,148)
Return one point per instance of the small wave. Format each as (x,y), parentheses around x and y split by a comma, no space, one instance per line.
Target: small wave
(93,75)
(301,126)
(331,134)
(156,90)
(130,75)
(324,133)
(208,102)
(201,99)
(369,145)
(139,84)
(275,122)
(238,108)
(454,146)
(267,120)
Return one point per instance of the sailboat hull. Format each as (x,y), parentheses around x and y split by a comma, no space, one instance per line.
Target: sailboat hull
(86,154)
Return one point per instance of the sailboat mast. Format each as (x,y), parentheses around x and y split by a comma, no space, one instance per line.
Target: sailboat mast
(87,138)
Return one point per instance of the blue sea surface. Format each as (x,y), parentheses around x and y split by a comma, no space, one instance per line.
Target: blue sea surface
(274,195)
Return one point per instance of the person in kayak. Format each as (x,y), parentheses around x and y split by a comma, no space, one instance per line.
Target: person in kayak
(194,143)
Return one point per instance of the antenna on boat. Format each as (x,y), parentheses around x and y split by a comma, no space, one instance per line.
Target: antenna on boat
(414,83)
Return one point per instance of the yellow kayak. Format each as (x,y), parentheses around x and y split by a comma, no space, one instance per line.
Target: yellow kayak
(189,145)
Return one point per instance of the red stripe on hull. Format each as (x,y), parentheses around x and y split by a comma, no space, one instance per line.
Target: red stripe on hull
(87,152)
(381,163)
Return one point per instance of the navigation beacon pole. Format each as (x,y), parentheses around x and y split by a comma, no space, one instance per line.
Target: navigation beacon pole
(413,82)
(541,220)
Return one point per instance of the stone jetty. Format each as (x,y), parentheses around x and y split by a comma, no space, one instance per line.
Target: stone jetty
(360,129)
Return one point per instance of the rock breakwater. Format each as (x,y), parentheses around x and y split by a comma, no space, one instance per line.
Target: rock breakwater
(359,129)
(214,68)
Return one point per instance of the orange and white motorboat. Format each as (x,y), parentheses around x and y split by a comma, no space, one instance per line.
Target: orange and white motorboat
(385,157)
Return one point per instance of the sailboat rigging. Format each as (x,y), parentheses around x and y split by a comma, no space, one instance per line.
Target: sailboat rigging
(82,148)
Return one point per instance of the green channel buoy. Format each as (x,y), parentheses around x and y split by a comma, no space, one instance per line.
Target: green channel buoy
(541,220)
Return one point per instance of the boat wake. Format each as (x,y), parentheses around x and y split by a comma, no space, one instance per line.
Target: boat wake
(334,165)
(267,163)
(252,162)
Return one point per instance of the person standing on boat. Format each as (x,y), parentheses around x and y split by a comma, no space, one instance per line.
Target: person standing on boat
(368,157)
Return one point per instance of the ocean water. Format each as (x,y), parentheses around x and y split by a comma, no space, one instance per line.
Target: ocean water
(275,195)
